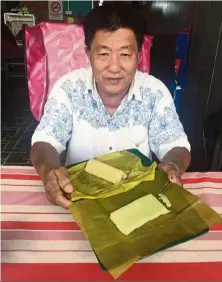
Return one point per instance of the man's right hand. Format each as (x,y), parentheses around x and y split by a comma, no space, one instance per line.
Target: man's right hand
(56,184)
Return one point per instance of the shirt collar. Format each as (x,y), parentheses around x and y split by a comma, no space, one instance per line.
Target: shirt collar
(133,93)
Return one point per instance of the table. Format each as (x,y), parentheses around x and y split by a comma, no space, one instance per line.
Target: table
(41,242)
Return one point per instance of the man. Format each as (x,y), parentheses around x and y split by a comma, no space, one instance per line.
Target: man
(108,107)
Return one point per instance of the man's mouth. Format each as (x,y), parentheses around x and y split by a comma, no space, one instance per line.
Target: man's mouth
(114,80)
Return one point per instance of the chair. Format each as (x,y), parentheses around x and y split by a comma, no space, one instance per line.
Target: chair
(54,49)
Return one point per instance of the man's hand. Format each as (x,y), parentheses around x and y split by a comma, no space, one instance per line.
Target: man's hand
(173,175)
(56,184)
(46,161)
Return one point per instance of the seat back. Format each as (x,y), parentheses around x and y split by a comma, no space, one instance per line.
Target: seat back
(54,49)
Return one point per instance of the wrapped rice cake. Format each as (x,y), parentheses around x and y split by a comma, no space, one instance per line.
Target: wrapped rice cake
(106,209)
(105,171)
(137,213)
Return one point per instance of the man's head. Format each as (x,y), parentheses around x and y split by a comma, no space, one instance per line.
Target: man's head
(113,38)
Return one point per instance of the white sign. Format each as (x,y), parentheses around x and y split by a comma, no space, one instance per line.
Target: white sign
(55,10)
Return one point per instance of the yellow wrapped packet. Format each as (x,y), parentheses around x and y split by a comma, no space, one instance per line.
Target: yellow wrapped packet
(105,171)
(89,186)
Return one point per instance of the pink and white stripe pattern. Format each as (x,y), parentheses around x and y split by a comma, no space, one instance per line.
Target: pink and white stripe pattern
(41,242)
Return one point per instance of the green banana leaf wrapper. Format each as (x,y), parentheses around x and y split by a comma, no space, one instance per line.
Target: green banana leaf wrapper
(92,205)
(89,186)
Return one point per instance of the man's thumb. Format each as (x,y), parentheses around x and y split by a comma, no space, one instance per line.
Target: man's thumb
(172,178)
(63,180)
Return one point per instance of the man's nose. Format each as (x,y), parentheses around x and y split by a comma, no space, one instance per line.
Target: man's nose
(114,63)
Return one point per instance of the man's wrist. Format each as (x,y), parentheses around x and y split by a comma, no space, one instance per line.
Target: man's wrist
(178,157)
(175,166)
(170,167)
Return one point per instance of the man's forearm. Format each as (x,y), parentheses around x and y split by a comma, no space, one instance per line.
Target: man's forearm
(43,156)
(180,156)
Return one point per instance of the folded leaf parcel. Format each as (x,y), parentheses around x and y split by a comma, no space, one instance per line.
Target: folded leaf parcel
(129,211)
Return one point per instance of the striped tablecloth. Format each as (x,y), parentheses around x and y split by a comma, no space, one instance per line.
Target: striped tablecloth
(40,242)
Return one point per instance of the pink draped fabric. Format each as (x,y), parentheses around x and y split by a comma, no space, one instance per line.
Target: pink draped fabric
(54,49)
(144,58)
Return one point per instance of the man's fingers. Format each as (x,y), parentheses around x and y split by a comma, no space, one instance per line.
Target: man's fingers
(173,175)
(63,180)
(49,197)
(173,178)
(55,195)
(56,182)
(62,200)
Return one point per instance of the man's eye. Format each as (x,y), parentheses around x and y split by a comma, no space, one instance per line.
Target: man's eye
(103,54)
(125,55)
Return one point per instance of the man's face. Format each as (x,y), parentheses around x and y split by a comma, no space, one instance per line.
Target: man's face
(114,57)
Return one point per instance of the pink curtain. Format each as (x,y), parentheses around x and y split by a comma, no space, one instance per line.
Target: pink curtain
(54,49)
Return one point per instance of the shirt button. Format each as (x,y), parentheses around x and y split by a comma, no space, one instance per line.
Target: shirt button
(110,148)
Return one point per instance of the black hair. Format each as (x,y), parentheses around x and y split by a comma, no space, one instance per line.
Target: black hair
(111,17)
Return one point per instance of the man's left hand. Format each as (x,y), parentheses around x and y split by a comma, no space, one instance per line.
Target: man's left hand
(173,175)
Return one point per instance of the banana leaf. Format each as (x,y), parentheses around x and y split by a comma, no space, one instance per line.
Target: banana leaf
(88,186)
(189,217)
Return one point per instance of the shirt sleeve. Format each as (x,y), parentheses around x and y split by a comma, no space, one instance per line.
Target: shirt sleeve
(165,129)
(55,126)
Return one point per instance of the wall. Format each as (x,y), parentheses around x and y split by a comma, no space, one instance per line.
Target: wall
(204,78)
(166,17)
(163,20)
(38,8)
(76,7)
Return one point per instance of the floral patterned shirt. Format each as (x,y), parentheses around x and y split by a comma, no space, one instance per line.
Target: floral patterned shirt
(74,115)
